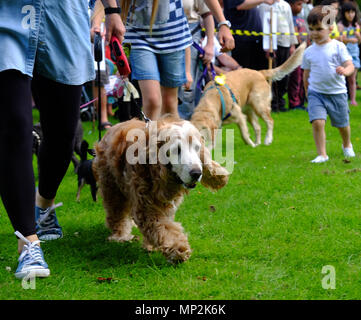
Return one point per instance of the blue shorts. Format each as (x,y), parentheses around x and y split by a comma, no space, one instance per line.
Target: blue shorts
(167,68)
(335,105)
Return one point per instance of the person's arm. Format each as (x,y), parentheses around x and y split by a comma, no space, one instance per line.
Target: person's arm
(113,23)
(208,23)
(306,74)
(357,33)
(340,30)
(293,38)
(342,37)
(299,36)
(96,19)
(224,34)
(227,63)
(346,69)
(219,70)
(189,82)
(249,4)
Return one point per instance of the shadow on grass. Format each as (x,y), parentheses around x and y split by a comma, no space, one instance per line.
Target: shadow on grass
(89,250)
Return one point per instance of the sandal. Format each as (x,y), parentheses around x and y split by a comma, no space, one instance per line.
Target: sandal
(105,125)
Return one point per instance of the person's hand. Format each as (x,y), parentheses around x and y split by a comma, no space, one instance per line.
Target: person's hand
(114,27)
(340,70)
(208,53)
(292,49)
(189,82)
(225,38)
(353,40)
(269,54)
(95,29)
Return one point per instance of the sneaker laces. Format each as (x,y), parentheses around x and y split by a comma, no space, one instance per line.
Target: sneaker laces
(43,219)
(31,249)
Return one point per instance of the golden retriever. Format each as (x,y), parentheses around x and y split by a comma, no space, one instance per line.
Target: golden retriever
(253,95)
(144,171)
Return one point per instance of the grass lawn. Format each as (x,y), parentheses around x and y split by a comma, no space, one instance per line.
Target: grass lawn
(266,235)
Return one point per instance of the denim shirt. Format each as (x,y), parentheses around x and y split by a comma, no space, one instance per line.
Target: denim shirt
(51,36)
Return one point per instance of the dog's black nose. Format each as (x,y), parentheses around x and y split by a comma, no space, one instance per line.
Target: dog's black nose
(195,174)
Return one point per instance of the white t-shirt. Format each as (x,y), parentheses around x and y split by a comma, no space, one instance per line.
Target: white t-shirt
(322,61)
(217,48)
(193,9)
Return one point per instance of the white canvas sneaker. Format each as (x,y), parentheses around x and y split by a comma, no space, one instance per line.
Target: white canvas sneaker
(348,152)
(320,159)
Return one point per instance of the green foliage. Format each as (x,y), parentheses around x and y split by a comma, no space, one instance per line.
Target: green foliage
(266,235)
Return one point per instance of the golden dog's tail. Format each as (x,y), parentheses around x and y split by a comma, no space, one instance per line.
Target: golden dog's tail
(287,67)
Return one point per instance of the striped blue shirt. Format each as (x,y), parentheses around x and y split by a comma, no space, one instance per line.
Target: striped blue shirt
(170,29)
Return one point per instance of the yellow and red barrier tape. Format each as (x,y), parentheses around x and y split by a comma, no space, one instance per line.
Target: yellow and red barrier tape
(254,33)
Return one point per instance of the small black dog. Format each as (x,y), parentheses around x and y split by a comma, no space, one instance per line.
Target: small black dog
(85,172)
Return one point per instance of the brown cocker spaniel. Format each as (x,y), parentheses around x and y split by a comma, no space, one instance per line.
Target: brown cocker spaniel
(144,171)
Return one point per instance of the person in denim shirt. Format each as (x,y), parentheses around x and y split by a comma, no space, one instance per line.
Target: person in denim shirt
(45,53)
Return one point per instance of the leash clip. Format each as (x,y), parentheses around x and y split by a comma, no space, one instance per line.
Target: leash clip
(146,119)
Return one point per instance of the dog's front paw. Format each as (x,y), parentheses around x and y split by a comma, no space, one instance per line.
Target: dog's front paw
(268,141)
(214,176)
(147,246)
(178,254)
(118,238)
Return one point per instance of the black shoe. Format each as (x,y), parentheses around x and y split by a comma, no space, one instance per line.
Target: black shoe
(276,108)
(282,109)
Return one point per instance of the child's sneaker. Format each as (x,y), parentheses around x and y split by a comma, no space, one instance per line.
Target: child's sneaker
(31,260)
(348,152)
(320,159)
(47,225)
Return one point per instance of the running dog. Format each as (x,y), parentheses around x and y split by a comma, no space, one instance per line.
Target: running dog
(245,95)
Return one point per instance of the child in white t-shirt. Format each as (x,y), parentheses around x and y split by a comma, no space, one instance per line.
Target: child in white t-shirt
(326,63)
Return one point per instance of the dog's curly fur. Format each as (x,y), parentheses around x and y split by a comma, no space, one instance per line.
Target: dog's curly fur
(147,193)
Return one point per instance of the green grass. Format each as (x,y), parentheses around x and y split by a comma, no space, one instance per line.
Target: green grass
(275,225)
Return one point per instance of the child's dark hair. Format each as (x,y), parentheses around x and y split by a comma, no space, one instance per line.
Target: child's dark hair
(328,2)
(292,1)
(316,16)
(346,7)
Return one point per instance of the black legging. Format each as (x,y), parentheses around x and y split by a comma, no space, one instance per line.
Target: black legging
(59,115)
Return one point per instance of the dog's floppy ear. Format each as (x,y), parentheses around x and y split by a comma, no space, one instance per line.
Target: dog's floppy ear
(214,176)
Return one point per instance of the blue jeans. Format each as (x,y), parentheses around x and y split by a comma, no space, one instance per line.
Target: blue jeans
(167,68)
